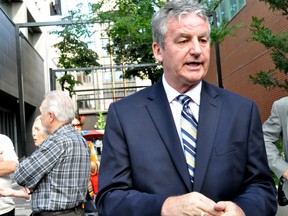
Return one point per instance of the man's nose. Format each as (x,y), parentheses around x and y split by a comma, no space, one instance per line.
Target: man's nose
(195,48)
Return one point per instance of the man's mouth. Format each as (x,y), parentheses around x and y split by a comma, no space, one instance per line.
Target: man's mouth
(194,64)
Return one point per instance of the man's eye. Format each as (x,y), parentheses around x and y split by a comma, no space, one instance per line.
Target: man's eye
(183,41)
(203,41)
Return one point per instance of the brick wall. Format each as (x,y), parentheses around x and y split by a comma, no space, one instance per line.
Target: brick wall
(241,58)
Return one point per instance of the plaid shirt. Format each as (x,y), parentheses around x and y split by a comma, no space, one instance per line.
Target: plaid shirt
(58,171)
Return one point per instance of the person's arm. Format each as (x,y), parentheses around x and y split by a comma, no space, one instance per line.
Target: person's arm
(9,192)
(7,167)
(116,195)
(32,169)
(258,193)
(285,175)
(272,129)
(8,157)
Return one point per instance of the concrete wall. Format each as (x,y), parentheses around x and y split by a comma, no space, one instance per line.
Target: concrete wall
(33,81)
(8,67)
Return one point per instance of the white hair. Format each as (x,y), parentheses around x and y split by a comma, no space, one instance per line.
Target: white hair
(59,103)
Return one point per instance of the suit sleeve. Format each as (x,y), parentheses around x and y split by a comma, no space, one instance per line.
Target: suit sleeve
(272,129)
(116,193)
(259,193)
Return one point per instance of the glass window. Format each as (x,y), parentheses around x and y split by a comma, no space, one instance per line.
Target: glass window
(107,77)
(227,9)
(104,43)
(86,102)
(118,76)
(83,78)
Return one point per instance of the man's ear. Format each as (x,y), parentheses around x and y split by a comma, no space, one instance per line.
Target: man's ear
(51,116)
(157,52)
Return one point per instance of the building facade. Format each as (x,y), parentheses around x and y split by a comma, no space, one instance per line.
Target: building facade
(241,57)
(105,84)
(22,70)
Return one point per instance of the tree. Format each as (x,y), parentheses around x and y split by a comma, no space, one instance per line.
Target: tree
(277,43)
(73,52)
(278,5)
(130,32)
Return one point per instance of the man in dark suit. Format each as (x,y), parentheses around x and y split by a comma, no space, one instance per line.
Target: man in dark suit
(143,165)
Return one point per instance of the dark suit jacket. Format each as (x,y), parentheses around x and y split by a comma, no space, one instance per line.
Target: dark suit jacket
(143,162)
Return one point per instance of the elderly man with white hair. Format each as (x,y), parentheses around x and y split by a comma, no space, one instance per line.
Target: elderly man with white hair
(57,173)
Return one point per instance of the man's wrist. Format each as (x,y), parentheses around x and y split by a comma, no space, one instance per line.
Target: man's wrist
(164,208)
(285,175)
(28,199)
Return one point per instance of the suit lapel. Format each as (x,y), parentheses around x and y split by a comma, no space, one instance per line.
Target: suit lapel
(159,109)
(208,120)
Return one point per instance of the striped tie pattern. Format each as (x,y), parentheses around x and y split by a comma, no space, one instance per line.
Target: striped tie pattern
(189,127)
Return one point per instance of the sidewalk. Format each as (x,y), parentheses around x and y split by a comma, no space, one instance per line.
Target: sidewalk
(282,211)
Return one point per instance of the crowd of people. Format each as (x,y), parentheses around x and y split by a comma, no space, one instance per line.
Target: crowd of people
(56,177)
(180,147)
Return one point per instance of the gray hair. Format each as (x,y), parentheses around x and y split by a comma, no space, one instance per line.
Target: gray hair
(59,103)
(175,8)
(38,121)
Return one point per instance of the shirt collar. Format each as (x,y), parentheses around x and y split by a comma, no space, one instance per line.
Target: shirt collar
(193,93)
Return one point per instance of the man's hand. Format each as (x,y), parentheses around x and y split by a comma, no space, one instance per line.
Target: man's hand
(285,175)
(229,208)
(192,204)
(9,192)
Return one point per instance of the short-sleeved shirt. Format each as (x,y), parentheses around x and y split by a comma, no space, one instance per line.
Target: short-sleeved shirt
(7,153)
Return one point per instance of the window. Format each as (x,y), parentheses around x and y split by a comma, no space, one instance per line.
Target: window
(104,43)
(227,9)
(118,76)
(83,78)
(86,102)
(107,77)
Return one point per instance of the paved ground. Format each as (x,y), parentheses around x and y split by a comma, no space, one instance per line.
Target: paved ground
(282,211)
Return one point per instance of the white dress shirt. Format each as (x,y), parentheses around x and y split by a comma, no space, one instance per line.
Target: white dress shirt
(176,106)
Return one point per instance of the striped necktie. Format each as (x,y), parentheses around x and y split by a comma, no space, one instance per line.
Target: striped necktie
(189,127)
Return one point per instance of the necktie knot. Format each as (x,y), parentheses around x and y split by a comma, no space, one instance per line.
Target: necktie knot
(183,99)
